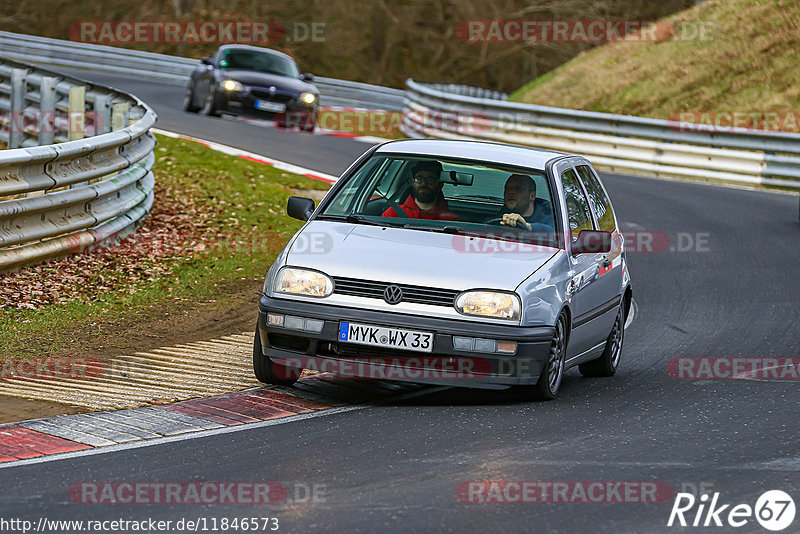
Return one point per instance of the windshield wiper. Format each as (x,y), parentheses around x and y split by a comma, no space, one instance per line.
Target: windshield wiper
(356,219)
(445,230)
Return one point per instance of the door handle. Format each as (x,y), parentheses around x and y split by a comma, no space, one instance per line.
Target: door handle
(606,262)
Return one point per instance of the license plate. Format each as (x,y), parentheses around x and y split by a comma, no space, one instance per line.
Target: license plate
(275,107)
(380,336)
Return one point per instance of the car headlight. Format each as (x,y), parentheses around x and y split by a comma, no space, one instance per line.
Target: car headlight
(308,98)
(489,304)
(303,282)
(232,85)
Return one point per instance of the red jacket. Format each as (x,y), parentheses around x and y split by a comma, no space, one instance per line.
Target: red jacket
(441,211)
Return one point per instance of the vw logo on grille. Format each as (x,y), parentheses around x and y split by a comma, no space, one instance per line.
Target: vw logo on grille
(393,294)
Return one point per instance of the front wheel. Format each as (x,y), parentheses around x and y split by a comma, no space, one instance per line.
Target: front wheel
(210,107)
(607,363)
(269,372)
(550,379)
(188,100)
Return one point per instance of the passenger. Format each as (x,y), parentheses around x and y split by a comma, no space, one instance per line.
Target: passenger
(521,207)
(426,200)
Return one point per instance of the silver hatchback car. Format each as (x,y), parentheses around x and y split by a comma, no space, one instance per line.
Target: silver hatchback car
(450,262)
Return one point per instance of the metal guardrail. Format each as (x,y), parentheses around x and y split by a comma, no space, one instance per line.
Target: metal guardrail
(616,143)
(57,199)
(173,69)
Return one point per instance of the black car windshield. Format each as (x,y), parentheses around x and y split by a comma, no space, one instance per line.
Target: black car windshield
(453,196)
(254,60)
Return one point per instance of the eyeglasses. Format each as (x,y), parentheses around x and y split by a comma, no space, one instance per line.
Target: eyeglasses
(430,180)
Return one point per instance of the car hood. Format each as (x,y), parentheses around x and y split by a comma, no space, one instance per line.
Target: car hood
(414,257)
(262,79)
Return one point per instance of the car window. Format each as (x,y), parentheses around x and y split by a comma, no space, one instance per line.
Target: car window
(391,189)
(598,199)
(577,205)
(233,59)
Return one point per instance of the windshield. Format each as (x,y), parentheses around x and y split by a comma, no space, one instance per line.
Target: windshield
(259,62)
(453,196)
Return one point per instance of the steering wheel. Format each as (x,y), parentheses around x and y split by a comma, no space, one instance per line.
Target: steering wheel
(493,220)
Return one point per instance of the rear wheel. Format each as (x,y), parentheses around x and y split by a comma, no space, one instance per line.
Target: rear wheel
(550,379)
(269,372)
(606,365)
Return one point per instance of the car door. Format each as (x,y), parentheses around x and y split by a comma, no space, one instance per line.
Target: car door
(586,297)
(611,265)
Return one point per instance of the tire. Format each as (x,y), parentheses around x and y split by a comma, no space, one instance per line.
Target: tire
(209,107)
(310,125)
(269,372)
(607,363)
(188,100)
(550,379)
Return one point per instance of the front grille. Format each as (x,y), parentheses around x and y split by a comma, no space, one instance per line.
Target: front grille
(262,94)
(374,290)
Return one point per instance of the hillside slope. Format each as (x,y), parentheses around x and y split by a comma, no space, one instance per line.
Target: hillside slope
(749,63)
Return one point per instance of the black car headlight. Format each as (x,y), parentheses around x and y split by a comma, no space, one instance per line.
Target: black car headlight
(308,98)
(231,86)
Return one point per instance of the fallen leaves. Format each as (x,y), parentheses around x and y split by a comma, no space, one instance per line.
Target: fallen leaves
(175,230)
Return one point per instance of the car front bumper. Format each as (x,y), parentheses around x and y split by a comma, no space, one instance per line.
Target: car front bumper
(444,365)
(243,104)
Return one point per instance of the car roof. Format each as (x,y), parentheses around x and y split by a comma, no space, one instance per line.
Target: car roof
(255,48)
(474,150)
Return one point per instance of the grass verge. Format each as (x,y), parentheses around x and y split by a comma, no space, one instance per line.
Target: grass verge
(723,56)
(195,268)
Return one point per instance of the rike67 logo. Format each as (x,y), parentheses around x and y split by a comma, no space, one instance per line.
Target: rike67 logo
(774,510)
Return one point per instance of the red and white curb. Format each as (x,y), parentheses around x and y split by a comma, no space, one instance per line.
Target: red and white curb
(37,440)
(231,151)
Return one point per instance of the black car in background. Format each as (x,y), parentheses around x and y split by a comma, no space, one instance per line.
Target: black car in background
(256,82)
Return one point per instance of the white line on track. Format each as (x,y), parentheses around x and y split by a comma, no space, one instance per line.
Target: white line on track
(231,151)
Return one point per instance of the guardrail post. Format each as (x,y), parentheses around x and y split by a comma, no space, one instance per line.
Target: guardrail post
(77,118)
(47,110)
(102,114)
(120,115)
(19,87)
(77,113)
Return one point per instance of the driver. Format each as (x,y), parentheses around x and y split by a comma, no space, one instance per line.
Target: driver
(521,207)
(426,200)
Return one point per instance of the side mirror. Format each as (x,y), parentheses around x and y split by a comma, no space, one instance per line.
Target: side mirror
(300,208)
(592,241)
(206,61)
(307,77)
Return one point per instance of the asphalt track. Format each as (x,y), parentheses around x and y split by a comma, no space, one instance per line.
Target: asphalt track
(396,467)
